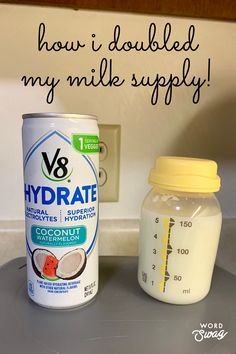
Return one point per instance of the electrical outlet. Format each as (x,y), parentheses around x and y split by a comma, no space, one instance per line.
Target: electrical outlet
(109,162)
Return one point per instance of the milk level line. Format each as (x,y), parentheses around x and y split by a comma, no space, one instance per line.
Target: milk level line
(166,251)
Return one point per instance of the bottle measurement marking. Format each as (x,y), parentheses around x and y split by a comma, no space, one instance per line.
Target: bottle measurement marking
(166,251)
(186,291)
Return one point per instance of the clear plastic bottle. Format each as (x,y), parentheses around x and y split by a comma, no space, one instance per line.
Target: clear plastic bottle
(180,230)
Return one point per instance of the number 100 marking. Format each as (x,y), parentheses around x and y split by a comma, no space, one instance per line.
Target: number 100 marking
(183,251)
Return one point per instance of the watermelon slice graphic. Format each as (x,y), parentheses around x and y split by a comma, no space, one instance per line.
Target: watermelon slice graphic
(49,268)
(44,264)
(70,266)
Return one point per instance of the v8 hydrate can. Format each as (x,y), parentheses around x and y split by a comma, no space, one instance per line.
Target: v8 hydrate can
(60,154)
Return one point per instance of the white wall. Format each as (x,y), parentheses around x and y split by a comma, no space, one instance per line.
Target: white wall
(204,130)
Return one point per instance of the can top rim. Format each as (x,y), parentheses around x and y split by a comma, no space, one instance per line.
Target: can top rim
(58,115)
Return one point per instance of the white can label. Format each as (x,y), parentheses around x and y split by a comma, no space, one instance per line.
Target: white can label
(61,209)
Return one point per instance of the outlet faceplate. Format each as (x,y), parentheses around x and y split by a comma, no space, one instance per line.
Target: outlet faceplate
(109,162)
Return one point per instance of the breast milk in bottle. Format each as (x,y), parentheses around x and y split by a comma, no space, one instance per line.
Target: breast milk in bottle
(180,230)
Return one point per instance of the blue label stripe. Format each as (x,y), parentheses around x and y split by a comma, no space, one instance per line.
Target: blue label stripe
(43,138)
(28,247)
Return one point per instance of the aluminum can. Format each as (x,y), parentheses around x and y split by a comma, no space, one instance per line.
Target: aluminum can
(60,161)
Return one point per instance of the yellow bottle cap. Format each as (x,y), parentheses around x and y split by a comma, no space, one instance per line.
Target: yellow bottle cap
(185,174)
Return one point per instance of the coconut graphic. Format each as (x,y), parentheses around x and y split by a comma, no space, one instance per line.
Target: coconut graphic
(44,264)
(72,264)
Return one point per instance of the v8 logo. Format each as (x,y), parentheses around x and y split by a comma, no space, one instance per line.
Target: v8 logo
(55,170)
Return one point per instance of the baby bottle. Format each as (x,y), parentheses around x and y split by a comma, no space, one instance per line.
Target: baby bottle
(179,230)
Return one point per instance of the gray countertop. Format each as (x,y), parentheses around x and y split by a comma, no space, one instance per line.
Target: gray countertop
(121,319)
